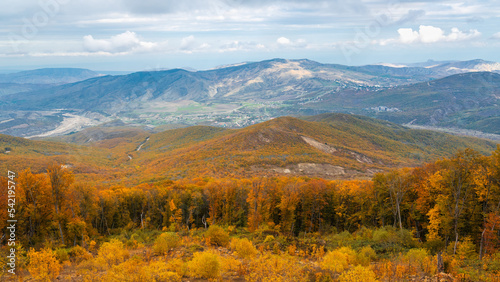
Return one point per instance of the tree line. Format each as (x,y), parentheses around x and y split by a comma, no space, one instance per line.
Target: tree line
(442,203)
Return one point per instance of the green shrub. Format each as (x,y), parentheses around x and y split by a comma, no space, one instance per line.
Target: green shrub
(366,255)
(62,254)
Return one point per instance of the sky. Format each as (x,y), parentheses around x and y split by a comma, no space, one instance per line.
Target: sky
(133,35)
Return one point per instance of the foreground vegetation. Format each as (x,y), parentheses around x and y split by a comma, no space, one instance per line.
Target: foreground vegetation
(391,228)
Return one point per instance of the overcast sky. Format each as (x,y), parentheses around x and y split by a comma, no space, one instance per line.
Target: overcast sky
(135,35)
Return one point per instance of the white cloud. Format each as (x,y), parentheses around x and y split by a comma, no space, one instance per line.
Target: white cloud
(127,42)
(431,34)
(241,46)
(189,44)
(285,42)
(496,36)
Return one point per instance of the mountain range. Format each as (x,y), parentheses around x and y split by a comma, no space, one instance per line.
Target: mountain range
(432,94)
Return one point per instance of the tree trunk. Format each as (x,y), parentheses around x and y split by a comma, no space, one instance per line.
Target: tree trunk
(481,245)
(60,231)
(456,242)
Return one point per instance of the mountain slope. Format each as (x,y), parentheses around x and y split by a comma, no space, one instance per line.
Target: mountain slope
(48,76)
(334,146)
(330,145)
(274,79)
(249,93)
(467,100)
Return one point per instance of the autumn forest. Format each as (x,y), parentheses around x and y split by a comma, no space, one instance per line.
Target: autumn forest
(424,220)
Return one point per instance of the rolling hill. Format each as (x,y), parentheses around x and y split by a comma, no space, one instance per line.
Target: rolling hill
(333,146)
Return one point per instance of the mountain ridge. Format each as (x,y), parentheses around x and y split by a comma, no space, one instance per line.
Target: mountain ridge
(233,96)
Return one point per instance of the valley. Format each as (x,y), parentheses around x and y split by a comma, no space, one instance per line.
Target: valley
(450,94)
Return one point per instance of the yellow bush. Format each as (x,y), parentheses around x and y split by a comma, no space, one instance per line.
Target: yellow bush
(177,266)
(243,247)
(112,252)
(62,254)
(216,236)
(357,274)
(269,238)
(275,268)
(165,242)
(43,265)
(161,271)
(338,260)
(229,264)
(205,265)
(79,253)
(136,270)
(365,256)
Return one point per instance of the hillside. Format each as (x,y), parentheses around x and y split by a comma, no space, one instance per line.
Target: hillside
(18,154)
(467,101)
(330,146)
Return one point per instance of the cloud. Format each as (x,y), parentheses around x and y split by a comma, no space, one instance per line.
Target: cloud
(189,44)
(431,34)
(127,42)
(284,42)
(241,46)
(495,36)
(411,16)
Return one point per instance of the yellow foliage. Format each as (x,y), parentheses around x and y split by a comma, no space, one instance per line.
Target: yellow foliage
(230,264)
(243,247)
(417,262)
(434,224)
(466,250)
(165,242)
(92,245)
(205,265)
(274,268)
(136,270)
(357,274)
(43,265)
(366,255)
(79,253)
(269,238)
(112,252)
(338,260)
(177,266)
(161,271)
(216,236)
(421,261)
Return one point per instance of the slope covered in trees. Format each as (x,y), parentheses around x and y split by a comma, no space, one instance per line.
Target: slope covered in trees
(332,146)
(394,226)
(210,203)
